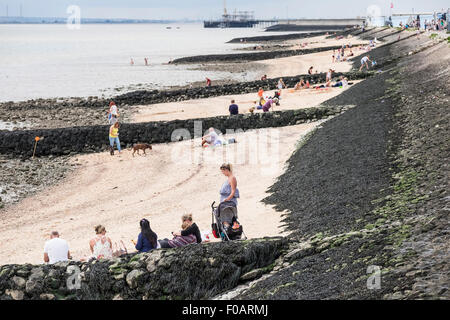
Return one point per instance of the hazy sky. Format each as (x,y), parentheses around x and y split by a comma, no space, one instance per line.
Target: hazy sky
(205,9)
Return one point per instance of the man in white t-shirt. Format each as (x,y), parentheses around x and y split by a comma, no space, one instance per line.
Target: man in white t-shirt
(56,249)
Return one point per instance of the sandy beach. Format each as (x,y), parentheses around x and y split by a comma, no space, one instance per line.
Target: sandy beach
(119,191)
(218,106)
(343,189)
(273,68)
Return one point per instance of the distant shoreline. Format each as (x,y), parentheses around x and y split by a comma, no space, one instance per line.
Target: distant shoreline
(63,20)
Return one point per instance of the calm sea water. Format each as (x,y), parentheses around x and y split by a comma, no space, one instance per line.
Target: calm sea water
(44,61)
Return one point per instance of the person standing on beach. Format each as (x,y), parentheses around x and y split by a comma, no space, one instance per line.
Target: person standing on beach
(364,62)
(310,70)
(233,108)
(131,61)
(112,113)
(114,137)
(229,190)
(208,82)
(329,76)
(281,84)
(146,61)
(56,249)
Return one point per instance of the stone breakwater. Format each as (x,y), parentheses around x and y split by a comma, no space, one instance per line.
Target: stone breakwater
(155,96)
(65,141)
(197,271)
(295,27)
(255,56)
(281,37)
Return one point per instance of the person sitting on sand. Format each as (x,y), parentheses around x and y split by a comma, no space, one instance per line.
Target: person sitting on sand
(302,85)
(307,85)
(100,245)
(56,249)
(180,240)
(277,94)
(299,85)
(114,137)
(210,138)
(191,228)
(233,108)
(147,239)
(264,77)
(256,106)
(364,62)
(341,83)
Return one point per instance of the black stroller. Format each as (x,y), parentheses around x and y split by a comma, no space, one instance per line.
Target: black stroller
(226,212)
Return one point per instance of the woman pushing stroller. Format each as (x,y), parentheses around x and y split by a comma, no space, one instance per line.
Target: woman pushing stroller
(229,190)
(226,212)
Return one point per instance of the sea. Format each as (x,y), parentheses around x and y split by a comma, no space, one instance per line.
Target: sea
(53,60)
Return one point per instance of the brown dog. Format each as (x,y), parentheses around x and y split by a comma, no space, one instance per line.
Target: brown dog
(141,146)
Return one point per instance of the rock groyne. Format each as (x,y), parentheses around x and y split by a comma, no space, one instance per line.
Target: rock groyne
(64,141)
(197,271)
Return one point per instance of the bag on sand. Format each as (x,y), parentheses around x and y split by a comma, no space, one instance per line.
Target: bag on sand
(119,250)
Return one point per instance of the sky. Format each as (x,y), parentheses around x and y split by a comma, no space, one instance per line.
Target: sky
(207,9)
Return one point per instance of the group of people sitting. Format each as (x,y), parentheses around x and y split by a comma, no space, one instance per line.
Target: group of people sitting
(57,249)
(101,247)
(341,55)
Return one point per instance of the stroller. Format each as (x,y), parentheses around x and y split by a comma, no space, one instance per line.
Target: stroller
(226,212)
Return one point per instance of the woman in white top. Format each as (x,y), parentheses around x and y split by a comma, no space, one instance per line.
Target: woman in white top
(101,246)
(112,113)
(280,84)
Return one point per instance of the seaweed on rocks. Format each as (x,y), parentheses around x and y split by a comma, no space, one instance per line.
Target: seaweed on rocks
(196,271)
(369,191)
(255,56)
